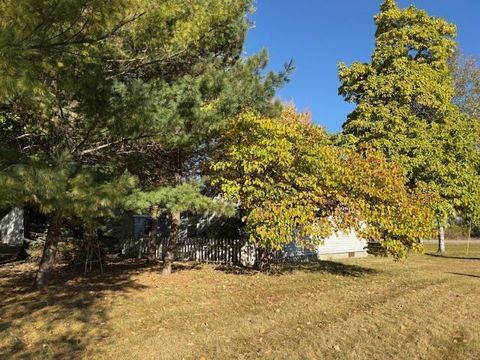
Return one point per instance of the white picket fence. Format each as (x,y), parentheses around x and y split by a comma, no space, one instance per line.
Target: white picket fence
(218,251)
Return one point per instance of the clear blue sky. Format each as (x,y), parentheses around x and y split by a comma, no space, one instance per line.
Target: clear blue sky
(318,34)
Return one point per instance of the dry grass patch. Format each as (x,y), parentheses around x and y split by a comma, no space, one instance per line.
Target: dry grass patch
(426,308)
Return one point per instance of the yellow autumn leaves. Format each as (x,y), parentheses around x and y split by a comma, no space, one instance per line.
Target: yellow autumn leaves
(290,180)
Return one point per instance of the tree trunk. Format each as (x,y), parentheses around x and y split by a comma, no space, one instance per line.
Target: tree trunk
(441,238)
(152,233)
(264,260)
(22,253)
(469,235)
(49,252)
(169,255)
(175,219)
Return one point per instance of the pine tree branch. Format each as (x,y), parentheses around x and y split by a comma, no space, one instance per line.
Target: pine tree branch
(75,40)
(43,22)
(103,146)
(152,62)
(87,135)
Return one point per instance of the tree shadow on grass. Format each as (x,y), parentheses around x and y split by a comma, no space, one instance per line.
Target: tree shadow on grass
(319,266)
(462,274)
(327,267)
(237,270)
(458,257)
(61,321)
(185,266)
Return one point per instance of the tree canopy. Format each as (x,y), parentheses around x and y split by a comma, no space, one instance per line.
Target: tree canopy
(466,75)
(405,108)
(288,178)
(87,85)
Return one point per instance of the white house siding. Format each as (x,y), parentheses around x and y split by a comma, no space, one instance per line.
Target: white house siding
(11,228)
(342,245)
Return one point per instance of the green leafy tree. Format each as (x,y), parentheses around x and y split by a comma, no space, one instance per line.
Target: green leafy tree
(288,178)
(405,109)
(191,119)
(66,193)
(57,115)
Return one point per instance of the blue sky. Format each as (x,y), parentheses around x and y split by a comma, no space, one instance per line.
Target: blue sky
(318,34)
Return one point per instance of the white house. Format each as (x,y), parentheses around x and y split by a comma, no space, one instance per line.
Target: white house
(12,228)
(342,245)
(337,246)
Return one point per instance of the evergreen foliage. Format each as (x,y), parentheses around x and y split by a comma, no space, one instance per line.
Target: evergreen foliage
(181,198)
(87,84)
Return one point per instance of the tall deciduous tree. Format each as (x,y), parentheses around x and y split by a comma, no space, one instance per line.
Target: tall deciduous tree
(405,109)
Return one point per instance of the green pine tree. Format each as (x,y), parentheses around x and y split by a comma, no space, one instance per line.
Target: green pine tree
(189,109)
(84,85)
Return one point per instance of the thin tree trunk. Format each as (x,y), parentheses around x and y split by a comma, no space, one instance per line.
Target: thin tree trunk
(175,218)
(469,235)
(441,238)
(152,233)
(22,253)
(264,260)
(169,255)
(49,252)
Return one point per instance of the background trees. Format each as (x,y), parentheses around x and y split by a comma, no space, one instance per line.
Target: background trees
(466,76)
(405,109)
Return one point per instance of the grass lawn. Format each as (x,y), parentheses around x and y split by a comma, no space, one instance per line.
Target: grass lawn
(425,308)
(457,250)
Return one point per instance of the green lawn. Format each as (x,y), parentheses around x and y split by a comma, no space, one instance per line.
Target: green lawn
(457,250)
(425,308)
